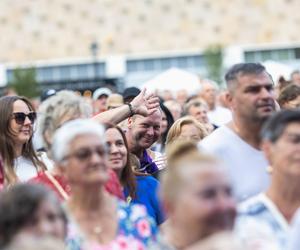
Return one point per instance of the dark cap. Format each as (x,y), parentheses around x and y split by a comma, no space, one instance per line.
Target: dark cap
(47,93)
(130,93)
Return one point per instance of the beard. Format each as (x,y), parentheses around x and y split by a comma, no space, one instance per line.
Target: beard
(262,112)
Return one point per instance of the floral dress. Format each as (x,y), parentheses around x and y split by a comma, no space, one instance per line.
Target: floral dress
(136,231)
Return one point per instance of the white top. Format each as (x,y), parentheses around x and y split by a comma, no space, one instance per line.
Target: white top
(294,241)
(246,165)
(259,222)
(46,160)
(219,116)
(25,169)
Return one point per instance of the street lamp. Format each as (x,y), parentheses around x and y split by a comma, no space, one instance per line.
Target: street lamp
(94,50)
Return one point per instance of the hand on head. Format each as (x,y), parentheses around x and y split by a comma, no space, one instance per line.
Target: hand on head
(145,104)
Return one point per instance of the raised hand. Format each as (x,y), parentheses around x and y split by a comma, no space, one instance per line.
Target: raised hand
(144,104)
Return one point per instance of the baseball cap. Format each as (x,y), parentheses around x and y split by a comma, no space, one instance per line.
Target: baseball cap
(100,92)
(47,93)
(130,93)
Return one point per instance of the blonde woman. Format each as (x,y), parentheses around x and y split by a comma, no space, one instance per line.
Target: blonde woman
(197,197)
(186,128)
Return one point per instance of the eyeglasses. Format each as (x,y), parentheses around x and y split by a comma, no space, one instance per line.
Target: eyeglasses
(20,117)
(85,154)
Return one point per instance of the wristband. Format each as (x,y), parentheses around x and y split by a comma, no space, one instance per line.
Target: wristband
(130,109)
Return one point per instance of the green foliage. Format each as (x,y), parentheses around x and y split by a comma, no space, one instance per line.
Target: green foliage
(24,82)
(213,57)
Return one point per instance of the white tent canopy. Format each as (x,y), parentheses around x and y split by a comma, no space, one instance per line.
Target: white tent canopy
(173,80)
(276,70)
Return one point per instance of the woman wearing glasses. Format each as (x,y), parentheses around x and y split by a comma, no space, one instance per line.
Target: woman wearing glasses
(17,117)
(97,220)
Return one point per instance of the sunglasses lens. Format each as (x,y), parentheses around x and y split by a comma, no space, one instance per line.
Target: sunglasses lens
(20,118)
(84,154)
(32,116)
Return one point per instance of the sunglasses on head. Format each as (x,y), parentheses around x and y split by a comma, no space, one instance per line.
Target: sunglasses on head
(20,117)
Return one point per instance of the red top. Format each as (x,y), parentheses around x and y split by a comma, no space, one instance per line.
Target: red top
(60,186)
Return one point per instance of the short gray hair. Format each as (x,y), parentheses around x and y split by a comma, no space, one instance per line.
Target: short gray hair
(241,69)
(69,131)
(56,107)
(197,102)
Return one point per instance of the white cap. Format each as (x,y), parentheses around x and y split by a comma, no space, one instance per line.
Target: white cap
(101,91)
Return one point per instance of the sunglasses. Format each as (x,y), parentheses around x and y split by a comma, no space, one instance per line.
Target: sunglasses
(85,154)
(20,117)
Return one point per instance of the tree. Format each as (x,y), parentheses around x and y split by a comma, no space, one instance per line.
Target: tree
(213,57)
(24,82)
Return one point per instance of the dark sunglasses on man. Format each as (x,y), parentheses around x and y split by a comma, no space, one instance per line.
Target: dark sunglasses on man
(20,117)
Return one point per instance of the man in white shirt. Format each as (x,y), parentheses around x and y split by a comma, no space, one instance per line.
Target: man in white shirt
(252,101)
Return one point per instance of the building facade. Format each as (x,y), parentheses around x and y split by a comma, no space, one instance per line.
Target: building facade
(140,38)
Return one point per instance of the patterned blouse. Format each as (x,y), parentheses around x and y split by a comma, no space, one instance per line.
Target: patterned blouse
(260,224)
(136,231)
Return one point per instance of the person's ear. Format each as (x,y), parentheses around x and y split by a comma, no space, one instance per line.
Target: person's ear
(129,122)
(229,98)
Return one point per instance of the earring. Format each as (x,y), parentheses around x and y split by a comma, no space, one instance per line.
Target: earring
(269,169)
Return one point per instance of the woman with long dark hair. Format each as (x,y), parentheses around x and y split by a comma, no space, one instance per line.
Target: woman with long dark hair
(17,118)
(138,187)
(166,124)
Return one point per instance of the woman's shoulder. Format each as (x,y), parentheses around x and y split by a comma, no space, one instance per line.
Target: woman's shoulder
(147,179)
(25,168)
(147,183)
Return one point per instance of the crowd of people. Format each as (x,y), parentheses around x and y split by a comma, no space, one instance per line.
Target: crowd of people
(218,169)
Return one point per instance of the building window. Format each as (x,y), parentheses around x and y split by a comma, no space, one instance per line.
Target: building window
(149,65)
(158,64)
(297,53)
(276,54)
(65,72)
(165,63)
(45,74)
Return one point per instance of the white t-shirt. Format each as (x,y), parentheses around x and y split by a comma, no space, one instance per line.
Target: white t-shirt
(219,116)
(25,169)
(294,240)
(246,165)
